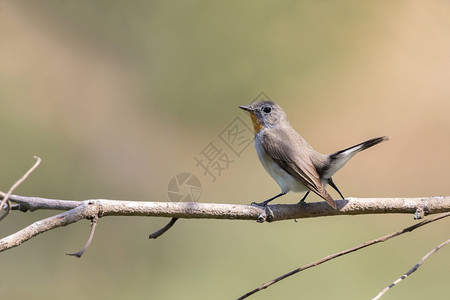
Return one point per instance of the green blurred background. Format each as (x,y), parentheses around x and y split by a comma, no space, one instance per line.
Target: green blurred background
(117,97)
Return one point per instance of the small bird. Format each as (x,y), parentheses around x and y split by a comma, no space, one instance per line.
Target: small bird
(288,157)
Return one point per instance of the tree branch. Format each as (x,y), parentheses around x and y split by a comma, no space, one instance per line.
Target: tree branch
(88,242)
(345,252)
(163,230)
(87,210)
(77,210)
(278,212)
(14,186)
(35,203)
(95,209)
(421,261)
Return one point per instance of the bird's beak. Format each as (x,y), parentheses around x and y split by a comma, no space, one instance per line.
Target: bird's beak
(248,108)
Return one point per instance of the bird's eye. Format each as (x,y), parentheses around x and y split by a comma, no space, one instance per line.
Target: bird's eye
(267,109)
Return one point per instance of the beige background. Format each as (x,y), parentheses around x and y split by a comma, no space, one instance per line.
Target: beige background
(117,98)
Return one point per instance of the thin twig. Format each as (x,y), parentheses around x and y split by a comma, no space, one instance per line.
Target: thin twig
(88,242)
(7,209)
(421,261)
(338,254)
(15,185)
(160,232)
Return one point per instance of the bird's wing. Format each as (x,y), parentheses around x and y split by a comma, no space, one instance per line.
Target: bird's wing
(292,154)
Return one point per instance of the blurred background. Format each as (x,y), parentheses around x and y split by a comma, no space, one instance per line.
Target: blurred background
(117,97)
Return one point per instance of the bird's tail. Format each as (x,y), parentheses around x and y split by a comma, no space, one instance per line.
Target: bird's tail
(338,159)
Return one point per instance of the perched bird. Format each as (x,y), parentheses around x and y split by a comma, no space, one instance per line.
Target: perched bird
(288,157)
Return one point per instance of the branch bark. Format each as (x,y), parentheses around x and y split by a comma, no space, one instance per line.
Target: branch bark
(197,210)
(90,209)
(86,210)
(94,209)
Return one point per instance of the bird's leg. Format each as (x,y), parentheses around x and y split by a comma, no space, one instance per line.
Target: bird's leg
(267,201)
(330,181)
(304,197)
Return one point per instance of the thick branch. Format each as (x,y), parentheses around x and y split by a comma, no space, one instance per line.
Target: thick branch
(194,210)
(197,210)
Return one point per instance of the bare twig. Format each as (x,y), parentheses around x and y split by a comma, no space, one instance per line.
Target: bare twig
(14,186)
(421,261)
(88,242)
(160,232)
(87,210)
(338,254)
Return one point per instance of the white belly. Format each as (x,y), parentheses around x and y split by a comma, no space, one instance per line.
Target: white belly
(285,180)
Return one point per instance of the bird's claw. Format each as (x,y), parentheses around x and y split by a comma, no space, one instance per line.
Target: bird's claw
(263,204)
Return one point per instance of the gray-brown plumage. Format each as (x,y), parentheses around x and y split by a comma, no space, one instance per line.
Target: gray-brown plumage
(288,157)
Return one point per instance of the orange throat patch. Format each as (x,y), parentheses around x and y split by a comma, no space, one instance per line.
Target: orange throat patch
(257,126)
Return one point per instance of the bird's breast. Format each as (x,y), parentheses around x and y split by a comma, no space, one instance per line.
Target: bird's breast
(285,180)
